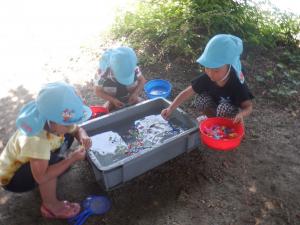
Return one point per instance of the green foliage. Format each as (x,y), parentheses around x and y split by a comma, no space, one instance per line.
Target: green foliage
(288,74)
(182,27)
(281,76)
(160,27)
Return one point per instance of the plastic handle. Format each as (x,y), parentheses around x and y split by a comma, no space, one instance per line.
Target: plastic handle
(78,218)
(83,218)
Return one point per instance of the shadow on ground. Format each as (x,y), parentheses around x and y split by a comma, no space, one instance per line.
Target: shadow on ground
(9,107)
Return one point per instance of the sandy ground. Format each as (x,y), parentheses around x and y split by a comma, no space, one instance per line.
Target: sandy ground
(257,184)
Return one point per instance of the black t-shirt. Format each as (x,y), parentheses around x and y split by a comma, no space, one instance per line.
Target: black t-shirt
(233,91)
(121,90)
(112,87)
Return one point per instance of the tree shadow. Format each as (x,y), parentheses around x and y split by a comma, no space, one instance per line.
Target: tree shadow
(88,94)
(10,107)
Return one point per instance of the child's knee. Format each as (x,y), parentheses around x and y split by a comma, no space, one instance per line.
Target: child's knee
(140,99)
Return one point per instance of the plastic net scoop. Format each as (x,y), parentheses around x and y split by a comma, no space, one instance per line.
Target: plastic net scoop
(92,205)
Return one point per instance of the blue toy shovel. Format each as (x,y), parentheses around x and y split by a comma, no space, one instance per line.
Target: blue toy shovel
(93,205)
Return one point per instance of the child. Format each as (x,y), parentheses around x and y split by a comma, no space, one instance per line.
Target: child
(221,89)
(119,81)
(30,157)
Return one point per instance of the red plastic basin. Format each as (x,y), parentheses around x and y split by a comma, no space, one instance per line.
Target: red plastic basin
(221,144)
(98,110)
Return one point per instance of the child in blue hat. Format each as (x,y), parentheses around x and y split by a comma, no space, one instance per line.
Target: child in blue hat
(30,158)
(221,89)
(119,80)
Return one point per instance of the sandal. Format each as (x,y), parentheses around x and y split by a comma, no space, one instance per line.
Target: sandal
(70,210)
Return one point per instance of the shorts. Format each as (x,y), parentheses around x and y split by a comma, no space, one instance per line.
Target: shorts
(23,179)
(204,102)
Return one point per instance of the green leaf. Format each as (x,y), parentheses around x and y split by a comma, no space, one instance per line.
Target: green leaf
(269,73)
(259,78)
(280,65)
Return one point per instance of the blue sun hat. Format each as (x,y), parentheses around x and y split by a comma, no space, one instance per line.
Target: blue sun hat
(122,61)
(223,49)
(57,102)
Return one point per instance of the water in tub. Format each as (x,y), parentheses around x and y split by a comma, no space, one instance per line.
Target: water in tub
(158,91)
(140,136)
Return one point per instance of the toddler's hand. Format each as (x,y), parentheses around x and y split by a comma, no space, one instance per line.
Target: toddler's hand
(238,118)
(117,103)
(86,141)
(165,113)
(133,99)
(78,154)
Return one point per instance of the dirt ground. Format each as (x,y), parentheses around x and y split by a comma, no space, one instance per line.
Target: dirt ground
(257,184)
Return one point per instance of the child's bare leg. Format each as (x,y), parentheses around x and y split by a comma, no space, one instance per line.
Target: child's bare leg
(109,106)
(59,209)
(48,194)
(140,99)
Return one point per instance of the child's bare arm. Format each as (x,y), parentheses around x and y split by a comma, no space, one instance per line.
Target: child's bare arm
(82,137)
(183,96)
(138,90)
(102,94)
(141,82)
(247,107)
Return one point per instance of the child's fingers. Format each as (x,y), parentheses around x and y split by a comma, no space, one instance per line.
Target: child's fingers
(86,142)
(78,154)
(133,99)
(119,104)
(165,113)
(81,154)
(79,148)
(237,119)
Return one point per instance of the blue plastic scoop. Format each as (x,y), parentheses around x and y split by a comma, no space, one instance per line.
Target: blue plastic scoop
(93,205)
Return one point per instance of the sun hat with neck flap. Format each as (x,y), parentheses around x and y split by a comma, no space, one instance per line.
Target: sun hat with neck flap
(57,102)
(223,49)
(122,61)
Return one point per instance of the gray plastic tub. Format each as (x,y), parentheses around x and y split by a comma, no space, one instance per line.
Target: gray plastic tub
(117,173)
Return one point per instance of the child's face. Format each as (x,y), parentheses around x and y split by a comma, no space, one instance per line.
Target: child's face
(217,74)
(59,129)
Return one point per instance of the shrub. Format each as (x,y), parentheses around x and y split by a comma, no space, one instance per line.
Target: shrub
(162,28)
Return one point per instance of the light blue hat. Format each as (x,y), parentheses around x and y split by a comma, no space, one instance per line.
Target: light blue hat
(57,102)
(122,61)
(223,49)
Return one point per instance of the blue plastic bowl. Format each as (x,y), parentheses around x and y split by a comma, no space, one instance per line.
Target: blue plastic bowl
(158,88)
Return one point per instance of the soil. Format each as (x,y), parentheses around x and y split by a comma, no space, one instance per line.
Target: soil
(258,183)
